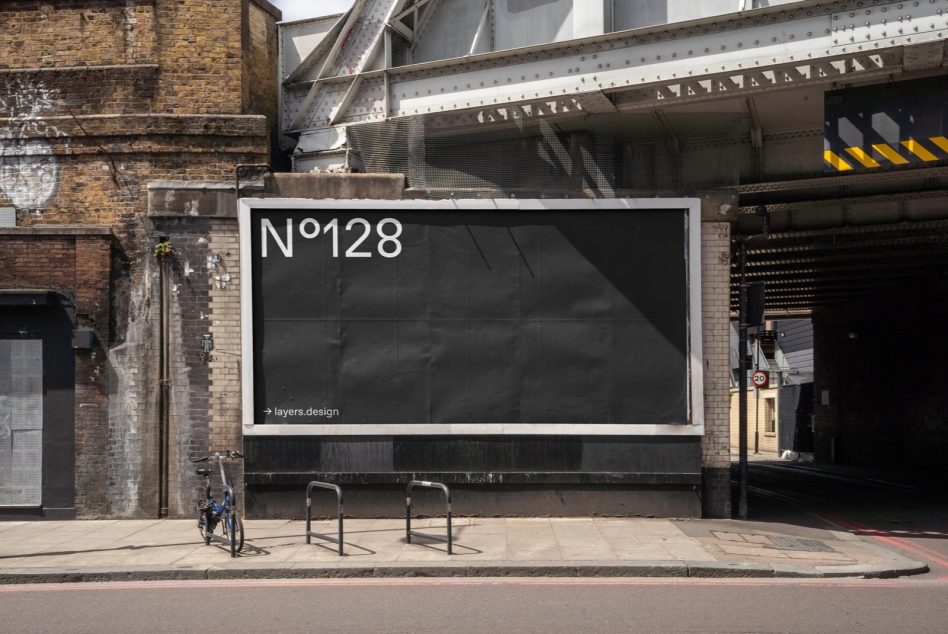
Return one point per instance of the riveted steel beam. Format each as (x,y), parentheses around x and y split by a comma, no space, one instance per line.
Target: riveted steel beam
(740,54)
(740,45)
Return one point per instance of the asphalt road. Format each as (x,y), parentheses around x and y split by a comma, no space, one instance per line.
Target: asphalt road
(913,521)
(481,605)
(898,516)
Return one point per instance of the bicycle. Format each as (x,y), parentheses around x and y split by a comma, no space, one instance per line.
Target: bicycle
(210,512)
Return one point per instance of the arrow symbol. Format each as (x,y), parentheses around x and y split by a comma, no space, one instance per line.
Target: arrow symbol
(267,411)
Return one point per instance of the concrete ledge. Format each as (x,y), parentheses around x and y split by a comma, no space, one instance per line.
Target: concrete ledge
(454,568)
(91,68)
(480,478)
(57,230)
(338,186)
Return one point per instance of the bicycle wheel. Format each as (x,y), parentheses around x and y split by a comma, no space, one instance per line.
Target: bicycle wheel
(235,532)
(203,527)
(240,531)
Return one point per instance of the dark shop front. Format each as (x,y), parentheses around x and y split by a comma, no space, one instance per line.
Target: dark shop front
(539,356)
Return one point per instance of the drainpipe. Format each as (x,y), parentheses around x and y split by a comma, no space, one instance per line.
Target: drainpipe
(164,394)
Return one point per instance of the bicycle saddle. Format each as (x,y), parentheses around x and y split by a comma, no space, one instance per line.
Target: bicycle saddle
(203,471)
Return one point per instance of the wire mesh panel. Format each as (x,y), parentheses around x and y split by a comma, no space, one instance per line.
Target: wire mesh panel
(21,422)
(609,156)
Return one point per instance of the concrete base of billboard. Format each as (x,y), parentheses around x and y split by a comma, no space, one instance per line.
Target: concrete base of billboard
(543,500)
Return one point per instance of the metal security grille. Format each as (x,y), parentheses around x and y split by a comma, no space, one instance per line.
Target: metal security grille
(801,544)
(21,422)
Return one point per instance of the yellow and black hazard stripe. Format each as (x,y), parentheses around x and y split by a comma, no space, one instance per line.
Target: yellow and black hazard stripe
(881,155)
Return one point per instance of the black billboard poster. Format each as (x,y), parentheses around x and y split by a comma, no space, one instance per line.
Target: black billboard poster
(409,314)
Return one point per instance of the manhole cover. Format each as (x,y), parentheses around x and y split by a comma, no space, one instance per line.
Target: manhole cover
(798,543)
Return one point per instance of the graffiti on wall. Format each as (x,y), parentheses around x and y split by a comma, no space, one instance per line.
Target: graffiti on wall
(29,172)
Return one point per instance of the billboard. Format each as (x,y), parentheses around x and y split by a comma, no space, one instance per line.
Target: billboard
(389,317)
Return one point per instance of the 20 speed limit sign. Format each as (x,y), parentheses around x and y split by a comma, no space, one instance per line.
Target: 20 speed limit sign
(759,379)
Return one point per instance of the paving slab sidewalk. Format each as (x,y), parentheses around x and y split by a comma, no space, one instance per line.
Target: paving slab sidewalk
(111,550)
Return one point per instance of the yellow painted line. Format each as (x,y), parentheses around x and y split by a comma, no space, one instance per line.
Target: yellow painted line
(886,150)
(941,142)
(919,150)
(830,157)
(862,157)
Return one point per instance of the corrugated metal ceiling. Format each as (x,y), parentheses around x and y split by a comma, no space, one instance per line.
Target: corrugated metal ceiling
(807,269)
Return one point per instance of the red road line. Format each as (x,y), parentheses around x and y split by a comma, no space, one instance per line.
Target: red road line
(898,542)
(511,581)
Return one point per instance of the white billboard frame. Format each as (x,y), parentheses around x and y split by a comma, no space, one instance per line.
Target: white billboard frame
(692,208)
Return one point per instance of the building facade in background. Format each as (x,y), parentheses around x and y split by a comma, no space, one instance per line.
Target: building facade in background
(780,411)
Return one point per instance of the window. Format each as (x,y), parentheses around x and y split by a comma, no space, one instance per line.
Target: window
(770,415)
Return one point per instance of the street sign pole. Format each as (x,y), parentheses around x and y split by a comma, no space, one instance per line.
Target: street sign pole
(757,396)
(742,388)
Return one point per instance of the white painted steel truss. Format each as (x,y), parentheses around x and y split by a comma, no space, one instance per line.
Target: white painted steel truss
(735,55)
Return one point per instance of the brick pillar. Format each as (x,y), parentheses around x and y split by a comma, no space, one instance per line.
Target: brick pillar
(93,267)
(224,399)
(715,311)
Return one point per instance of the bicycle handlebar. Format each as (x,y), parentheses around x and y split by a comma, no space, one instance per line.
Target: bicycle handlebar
(230,453)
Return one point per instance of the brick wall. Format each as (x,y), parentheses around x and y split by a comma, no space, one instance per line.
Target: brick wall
(75,261)
(70,32)
(715,313)
(93,308)
(97,99)
(54,268)
(224,317)
(199,52)
(261,46)
(225,416)
(186,272)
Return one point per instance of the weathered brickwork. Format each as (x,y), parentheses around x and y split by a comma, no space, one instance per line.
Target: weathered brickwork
(225,386)
(260,80)
(73,261)
(20,268)
(224,317)
(185,272)
(74,32)
(97,99)
(715,300)
(93,308)
(199,51)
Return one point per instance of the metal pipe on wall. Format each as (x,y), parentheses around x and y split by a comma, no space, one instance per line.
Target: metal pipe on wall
(164,393)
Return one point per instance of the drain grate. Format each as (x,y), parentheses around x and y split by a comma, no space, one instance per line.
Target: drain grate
(800,544)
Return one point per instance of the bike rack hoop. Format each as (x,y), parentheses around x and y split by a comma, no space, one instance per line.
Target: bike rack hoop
(309,514)
(447,509)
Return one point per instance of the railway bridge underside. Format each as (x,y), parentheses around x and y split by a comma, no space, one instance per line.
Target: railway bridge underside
(814,133)
(871,271)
